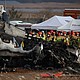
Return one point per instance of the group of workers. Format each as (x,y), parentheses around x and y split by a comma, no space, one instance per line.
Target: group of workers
(54,36)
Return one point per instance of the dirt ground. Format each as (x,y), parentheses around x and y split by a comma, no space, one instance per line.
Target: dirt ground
(34,75)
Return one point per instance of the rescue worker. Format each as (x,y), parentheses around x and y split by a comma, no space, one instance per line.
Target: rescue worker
(77,33)
(48,36)
(67,40)
(64,33)
(44,36)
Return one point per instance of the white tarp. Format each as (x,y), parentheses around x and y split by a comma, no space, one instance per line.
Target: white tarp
(53,23)
(72,25)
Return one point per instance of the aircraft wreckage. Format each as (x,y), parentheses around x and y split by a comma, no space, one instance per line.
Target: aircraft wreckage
(54,55)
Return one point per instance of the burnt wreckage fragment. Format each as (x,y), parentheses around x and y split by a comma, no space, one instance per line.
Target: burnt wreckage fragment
(52,56)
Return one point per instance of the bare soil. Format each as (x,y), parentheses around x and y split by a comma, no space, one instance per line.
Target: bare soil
(34,75)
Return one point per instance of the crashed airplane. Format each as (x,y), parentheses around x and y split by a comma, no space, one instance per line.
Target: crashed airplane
(35,54)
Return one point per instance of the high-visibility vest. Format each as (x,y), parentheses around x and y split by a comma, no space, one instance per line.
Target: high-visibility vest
(54,39)
(44,37)
(64,40)
(22,43)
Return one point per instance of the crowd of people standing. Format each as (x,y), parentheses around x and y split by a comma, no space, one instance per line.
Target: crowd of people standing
(70,38)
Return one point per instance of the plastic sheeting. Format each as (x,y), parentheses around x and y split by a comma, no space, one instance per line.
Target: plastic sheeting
(72,25)
(53,23)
